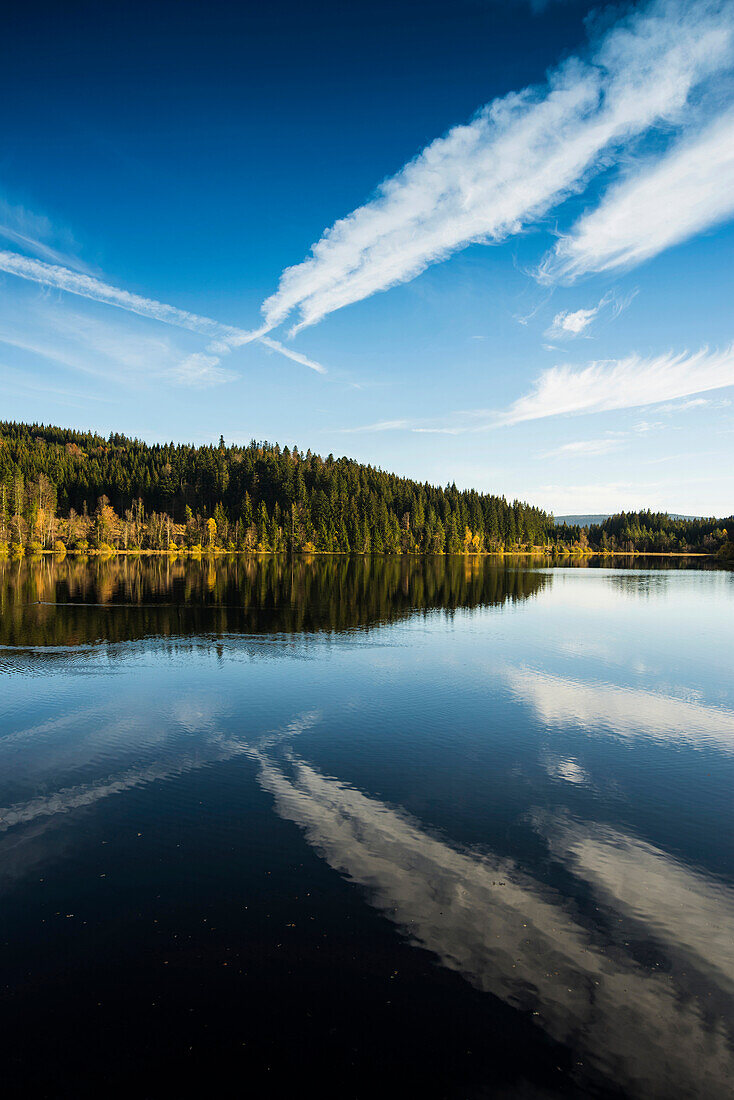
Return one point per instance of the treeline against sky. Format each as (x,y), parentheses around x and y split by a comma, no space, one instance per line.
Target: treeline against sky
(61,488)
(258,497)
(655,533)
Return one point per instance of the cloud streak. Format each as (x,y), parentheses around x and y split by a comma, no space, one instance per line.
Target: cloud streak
(296,356)
(584,448)
(97,348)
(688,191)
(621,384)
(634,222)
(379,426)
(32,232)
(200,370)
(86,286)
(601,386)
(519,157)
(224,338)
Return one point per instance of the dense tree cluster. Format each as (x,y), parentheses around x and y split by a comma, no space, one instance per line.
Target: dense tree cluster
(125,493)
(654,532)
(77,490)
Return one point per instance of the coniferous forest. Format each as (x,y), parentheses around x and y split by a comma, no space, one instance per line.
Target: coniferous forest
(62,489)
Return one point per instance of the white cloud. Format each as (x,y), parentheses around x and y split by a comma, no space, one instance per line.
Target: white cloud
(380,426)
(689,190)
(418,427)
(86,286)
(601,386)
(438,431)
(129,353)
(584,448)
(682,406)
(695,403)
(18,382)
(200,370)
(611,441)
(223,337)
(623,383)
(515,160)
(35,233)
(296,356)
(84,344)
(572,324)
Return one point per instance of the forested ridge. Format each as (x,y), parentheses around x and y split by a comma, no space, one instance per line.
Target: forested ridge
(654,532)
(61,488)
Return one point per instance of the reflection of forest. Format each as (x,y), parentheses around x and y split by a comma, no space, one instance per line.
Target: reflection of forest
(74,601)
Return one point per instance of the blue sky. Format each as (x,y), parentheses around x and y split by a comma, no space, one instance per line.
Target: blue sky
(482,242)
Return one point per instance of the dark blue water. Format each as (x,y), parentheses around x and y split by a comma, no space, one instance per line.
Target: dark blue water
(436,829)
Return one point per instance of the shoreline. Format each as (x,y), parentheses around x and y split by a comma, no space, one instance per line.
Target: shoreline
(220,553)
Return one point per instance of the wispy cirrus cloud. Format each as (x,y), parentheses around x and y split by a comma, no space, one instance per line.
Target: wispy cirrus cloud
(378,426)
(14,381)
(87,286)
(289,353)
(601,386)
(622,384)
(223,338)
(614,440)
(689,190)
(695,403)
(570,323)
(87,346)
(519,157)
(37,234)
(199,370)
(584,448)
(131,354)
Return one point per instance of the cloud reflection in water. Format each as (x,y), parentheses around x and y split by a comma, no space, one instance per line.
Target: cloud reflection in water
(511,937)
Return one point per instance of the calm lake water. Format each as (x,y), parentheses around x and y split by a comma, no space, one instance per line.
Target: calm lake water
(378,828)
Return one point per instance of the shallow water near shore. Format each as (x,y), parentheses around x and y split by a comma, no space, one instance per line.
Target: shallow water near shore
(420,827)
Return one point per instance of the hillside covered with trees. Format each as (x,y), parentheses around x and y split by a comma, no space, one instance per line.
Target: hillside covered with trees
(78,490)
(79,487)
(654,533)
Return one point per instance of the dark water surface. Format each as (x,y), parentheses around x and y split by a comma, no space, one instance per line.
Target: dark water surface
(370,828)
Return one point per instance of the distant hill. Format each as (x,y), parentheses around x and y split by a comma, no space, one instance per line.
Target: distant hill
(582,521)
(587,521)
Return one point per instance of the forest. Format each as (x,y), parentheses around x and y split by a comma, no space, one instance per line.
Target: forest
(68,490)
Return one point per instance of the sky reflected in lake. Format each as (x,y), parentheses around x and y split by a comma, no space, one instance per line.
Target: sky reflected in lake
(444,828)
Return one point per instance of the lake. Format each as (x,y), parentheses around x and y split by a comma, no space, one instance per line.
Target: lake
(417,827)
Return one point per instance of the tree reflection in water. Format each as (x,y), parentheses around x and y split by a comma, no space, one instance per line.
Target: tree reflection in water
(128,598)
